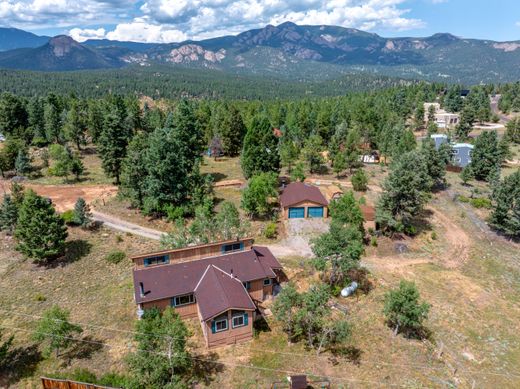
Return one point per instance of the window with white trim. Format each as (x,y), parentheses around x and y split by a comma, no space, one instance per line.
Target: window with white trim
(238,321)
(221,325)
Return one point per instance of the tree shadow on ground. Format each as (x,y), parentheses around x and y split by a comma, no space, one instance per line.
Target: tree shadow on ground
(351,354)
(260,325)
(206,367)
(218,176)
(74,251)
(83,349)
(422,223)
(22,363)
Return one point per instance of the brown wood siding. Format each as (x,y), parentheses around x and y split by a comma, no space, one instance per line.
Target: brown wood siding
(190,253)
(256,290)
(185,311)
(51,383)
(305,204)
(231,335)
(268,291)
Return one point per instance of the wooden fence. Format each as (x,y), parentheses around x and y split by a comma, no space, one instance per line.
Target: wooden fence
(53,383)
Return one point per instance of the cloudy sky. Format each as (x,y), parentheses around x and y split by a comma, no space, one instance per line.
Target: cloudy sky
(177,20)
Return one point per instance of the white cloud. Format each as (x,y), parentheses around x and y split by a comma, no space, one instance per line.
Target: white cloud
(81,35)
(518,24)
(165,20)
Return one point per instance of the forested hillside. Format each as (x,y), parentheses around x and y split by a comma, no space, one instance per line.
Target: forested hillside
(165,82)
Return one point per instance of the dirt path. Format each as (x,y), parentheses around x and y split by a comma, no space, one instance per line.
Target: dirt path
(127,227)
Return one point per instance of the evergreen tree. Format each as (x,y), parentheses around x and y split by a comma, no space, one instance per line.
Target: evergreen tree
(260,151)
(435,163)
(62,160)
(76,167)
(40,231)
(298,173)
(134,172)
(13,114)
(215,147)
(170,364)
(466,175)
(95,120)
(228,221)
(22,163)
(185,123)
(8,214)
(82,214)
(76,124)
(513,130)
(311,153)
(52,119)
(405,191)
(37,120)
(54,328)
(486,155)
(9,153)
(113,142)
(233,132)
(505,214)
(403,309)
(360,181)
(346,211)
(288,152)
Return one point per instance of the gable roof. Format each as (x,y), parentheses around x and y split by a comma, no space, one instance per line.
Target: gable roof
(218,291)
(166,281)
(298,192)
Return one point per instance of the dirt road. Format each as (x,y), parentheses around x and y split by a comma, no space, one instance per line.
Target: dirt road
(127,227)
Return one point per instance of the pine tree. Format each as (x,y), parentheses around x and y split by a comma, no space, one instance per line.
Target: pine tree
(40,231)
(505,214)
(22,163)
(82,214)
(256,197)
(8,214)
(76,167)
(486,155)
(134,172)
(76,124)
(113,142)
(13,114)
(260,151)
(52,118)
(435,163)
(360,181)
(466,175)
(405,191)
(311,153)
(233,132)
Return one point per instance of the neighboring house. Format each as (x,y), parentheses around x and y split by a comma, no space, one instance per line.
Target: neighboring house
(2,138)
(439,140)
(443,119)
(222,284)
(462,154)
(300,200)
(369,214)
(371,157)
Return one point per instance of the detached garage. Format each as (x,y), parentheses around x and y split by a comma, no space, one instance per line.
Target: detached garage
(302,201)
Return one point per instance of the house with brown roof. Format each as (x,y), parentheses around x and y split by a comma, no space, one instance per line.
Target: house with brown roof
(221,284)
(301,200)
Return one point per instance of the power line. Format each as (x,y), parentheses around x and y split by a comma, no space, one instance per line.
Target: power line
(261,350)
(232,364)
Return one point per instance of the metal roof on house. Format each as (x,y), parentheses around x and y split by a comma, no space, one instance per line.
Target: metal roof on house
(166,281)
(462,145)
(298,192)
(439,136)
(218,291)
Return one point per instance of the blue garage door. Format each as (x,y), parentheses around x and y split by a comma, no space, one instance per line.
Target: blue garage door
(315,212)
(296,213)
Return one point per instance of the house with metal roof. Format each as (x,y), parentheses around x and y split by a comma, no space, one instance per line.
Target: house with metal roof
(301,200)
(221,284)
(462,154)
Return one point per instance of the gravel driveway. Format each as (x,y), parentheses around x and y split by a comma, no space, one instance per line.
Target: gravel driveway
(299,234)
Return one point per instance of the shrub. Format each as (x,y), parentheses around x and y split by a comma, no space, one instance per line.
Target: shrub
(69,217)
(373,241)
(481,202)
(115,256)
(83,375)
(463,199)
(40,297)
(119,239)
(270,230)
(173,213)
(434,235)
(360,181)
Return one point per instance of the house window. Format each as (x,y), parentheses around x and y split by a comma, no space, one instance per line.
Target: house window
(247,285)
(239,319)
(219,324)
(159,260)
(178,301)
(455,151)
(267,282)
(227,248)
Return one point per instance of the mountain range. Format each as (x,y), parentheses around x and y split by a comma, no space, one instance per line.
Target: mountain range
(286,51)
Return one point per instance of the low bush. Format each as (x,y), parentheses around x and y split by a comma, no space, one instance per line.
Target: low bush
(270,230)
(115,257)
(481,202)
(69,217)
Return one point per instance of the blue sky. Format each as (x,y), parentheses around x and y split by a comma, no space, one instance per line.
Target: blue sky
(177,20)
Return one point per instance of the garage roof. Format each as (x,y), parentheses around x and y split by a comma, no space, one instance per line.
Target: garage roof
(298,192)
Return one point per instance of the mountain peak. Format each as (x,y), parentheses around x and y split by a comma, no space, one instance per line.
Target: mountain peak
(62,45)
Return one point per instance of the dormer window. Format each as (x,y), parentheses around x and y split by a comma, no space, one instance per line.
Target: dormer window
(158,260)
